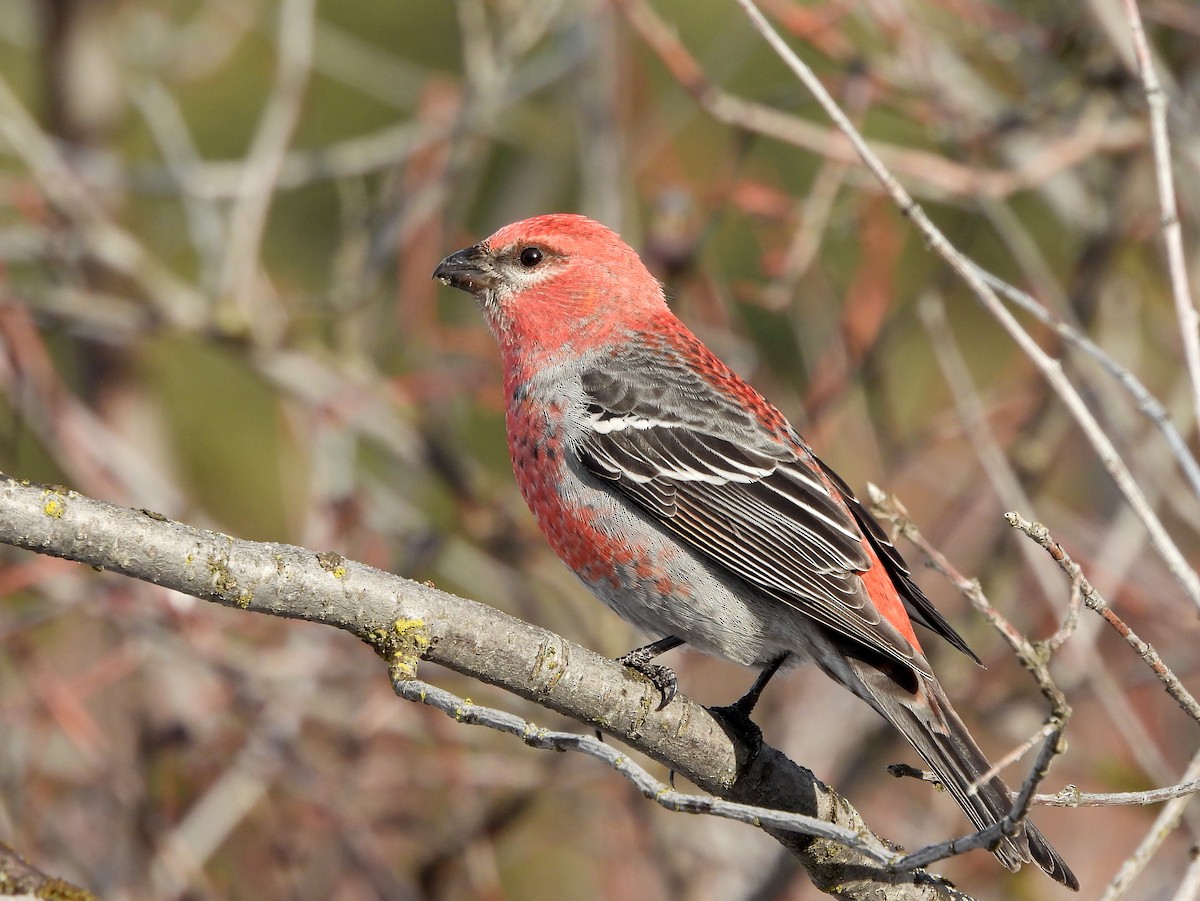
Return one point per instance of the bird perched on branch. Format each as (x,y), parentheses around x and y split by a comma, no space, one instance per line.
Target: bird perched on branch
(689,504)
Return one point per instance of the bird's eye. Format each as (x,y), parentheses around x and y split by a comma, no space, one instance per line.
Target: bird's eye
(530,257)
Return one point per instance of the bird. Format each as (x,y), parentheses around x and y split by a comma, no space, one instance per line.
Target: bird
(690,505)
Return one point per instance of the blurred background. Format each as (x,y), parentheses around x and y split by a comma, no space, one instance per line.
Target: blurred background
(218,222)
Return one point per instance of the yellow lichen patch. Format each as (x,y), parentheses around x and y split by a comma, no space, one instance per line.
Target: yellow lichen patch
(55,503)
(218,568)
(61,890)
(406,646)
(226,584)
(376,638)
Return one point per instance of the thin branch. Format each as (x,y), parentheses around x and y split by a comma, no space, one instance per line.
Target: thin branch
(1164,824)
(1073,797)
(1146,402)
(1050,368)
(1009,826)
(670,799)
(1156,99)
(173,300)
(932,175)
(1047,731)
(535,736)
(889,509)
(1093,601)
(248,219)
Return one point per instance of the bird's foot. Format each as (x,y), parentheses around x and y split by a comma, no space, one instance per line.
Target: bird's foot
(736,716)
(735,720)
(661,677)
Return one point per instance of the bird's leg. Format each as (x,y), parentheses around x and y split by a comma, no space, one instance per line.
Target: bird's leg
(747,702)
(660,677)
(736,716)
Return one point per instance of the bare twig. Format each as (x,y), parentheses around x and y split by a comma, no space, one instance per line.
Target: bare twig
(1007,826)
(172,299)
(889,509)
(1034,657)
(1048,730)
(1164,824)
(1147,403)
(1156,99)
(932,175)
(1092,600)
(537,737)
(1049,367)
(464,711)
(1073,797)
(248,218)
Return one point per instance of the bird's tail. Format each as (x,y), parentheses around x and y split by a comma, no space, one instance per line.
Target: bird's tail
(933,728)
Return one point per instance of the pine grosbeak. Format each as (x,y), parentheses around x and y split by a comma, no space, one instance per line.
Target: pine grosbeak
(689,504)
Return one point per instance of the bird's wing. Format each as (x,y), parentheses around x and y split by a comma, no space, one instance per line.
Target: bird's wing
(750,498)
(919,607)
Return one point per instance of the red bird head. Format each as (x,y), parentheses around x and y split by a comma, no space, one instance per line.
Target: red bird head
(555,282)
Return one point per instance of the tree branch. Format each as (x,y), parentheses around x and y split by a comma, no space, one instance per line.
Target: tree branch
(19,878)
(407,622)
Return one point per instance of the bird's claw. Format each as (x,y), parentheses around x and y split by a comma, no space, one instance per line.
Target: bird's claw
(661,677)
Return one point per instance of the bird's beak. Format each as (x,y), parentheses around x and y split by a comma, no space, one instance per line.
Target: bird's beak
(468,270)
